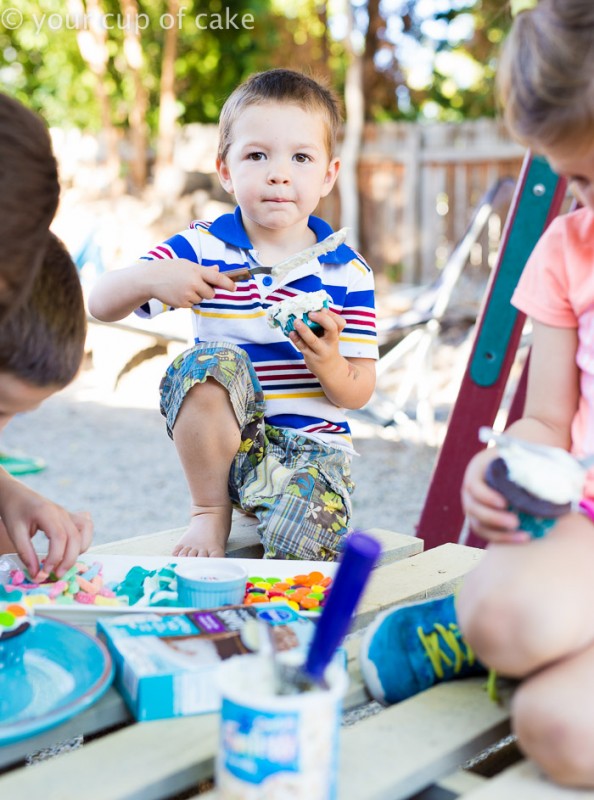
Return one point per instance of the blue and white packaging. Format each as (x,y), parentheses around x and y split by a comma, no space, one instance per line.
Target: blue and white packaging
(275,746)
(167,663)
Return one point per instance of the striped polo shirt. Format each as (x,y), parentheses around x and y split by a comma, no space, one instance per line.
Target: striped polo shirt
(294,397)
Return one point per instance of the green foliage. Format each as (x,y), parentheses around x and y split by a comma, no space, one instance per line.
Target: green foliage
(430,60)
(41,65)
(41,62)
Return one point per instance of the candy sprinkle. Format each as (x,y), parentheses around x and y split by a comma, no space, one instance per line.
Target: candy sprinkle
(301,592)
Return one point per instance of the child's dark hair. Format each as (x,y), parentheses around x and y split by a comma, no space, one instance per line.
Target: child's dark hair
(29,193)
(546,75)
(280,86)
(42,341)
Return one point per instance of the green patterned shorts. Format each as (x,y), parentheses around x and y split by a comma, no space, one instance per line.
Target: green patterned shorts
(299,489)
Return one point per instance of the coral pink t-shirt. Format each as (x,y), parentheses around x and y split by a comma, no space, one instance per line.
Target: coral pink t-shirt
(557,288)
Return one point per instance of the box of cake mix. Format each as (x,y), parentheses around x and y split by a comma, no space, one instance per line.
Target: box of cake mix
(166,663)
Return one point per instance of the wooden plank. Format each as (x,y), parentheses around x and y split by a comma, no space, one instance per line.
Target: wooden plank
(244,542)
(146,761)
(109,712)
(165,329)
(461,782)
(433,573)
(525,781)
(418,741)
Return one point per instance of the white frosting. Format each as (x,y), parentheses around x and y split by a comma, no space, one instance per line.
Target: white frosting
(279,313)
(550,473)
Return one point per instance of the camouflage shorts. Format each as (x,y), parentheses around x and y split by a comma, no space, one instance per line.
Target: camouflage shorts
(298,488)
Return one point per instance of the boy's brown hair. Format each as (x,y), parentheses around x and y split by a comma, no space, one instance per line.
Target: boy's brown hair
(545,76)
(42,341)
(29,193)
(280,86)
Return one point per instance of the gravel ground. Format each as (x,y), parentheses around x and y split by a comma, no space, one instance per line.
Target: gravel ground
(107,452)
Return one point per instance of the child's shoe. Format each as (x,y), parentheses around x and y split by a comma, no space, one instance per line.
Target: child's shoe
(410,648)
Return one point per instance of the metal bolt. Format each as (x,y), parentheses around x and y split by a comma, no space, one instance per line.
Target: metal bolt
(538,189)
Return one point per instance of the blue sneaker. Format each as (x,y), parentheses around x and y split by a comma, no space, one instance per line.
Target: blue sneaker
(413,647)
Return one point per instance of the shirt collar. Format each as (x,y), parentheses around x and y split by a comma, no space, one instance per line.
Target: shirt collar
(229,229)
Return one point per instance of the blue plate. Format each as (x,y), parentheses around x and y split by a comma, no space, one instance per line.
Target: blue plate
(64,670)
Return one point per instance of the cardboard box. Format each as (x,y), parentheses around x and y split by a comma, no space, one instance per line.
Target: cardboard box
(166,664)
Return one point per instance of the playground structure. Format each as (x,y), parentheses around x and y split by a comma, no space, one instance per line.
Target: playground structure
(407,402)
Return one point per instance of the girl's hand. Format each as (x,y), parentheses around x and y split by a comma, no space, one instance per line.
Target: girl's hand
(24,513)
(485,508)
(182,284)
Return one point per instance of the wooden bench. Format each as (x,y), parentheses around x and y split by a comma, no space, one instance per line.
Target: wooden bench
(411,750)
(115,348)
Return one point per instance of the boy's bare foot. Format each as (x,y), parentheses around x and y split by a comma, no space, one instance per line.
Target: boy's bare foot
(207,532)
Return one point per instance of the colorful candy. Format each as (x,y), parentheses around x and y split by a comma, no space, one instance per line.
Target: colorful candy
(301,592)
(72,587)
(84,584)
(14,619)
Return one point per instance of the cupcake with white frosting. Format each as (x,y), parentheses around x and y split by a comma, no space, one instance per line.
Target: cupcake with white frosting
(540,483)
(286,313)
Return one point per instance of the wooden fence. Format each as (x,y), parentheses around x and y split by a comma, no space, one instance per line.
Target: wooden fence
(418,187)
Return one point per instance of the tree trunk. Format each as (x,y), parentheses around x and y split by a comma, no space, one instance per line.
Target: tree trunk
(137,112)
(166,182)
(370,76)
(351,145)
(92,43)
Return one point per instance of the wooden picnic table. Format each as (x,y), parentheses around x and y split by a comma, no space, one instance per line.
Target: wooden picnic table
(413,749)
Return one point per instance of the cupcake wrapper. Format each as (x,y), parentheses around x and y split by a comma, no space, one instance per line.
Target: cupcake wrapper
(290,326)
(537,527)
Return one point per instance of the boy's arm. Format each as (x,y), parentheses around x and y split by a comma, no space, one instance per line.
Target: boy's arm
(23,512)
(347,382)
(176,282)
(350,383)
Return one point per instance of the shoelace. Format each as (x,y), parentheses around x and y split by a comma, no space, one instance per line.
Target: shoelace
(460,650)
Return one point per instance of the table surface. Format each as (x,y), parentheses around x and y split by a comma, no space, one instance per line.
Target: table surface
(383,756)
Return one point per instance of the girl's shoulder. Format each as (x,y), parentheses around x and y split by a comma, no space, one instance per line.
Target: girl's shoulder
(576,228)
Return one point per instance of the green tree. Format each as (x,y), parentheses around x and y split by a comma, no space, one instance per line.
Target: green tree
(439,63)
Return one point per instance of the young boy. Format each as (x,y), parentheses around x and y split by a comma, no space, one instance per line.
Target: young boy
(257,418)
(29,193)
(41,348)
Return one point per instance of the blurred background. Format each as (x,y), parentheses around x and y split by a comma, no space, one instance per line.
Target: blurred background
(131,91)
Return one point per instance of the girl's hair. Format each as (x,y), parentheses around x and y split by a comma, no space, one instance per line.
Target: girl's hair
(280,86)
(29,193)
(546,75)
(42,341)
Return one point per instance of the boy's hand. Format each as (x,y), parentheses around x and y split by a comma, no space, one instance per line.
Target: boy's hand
(485,508)
(318,351)
(182,284)
(24,512)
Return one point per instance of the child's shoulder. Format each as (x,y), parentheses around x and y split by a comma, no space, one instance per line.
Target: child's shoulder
(353,263)
(575,226)
(360,261)
(200,225)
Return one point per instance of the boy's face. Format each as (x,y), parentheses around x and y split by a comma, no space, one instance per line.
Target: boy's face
(18,396)
(578,169)
(277,166)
